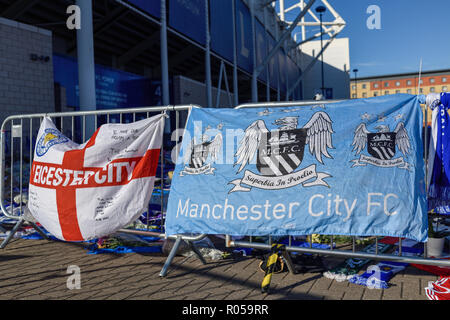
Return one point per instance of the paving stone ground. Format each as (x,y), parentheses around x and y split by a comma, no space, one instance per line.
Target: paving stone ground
(37,270)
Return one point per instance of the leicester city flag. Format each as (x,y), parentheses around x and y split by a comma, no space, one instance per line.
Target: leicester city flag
(349,168)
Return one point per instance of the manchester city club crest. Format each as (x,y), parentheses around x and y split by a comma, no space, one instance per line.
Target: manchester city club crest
(49,138)
(382,146)
(201,154)
(279,153)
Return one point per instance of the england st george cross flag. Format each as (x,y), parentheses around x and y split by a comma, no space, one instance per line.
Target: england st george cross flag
(349,168)
(81,192)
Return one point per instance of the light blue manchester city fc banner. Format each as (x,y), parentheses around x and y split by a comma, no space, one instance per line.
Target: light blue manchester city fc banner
(349,168)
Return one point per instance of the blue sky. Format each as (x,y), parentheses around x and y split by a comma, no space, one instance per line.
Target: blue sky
(410,30)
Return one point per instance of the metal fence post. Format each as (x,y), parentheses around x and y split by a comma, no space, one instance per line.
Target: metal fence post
(86,63)
(255,63)
(235,72)
(208,58)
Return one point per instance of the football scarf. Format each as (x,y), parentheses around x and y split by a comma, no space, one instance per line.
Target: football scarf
(438,290)
(439,156)
(437,270)
(442,210)
(378,276)
(351,267)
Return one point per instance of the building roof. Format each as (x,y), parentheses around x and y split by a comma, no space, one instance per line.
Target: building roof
(404,75)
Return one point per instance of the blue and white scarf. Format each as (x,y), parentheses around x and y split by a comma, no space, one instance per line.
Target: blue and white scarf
(378,276)
(439,155)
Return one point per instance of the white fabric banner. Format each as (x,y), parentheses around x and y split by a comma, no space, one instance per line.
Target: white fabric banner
(82,192)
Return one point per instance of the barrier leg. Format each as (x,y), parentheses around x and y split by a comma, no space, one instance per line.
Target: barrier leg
(197,252)
(12,233)
(172,254)
(39,230)
(287,259)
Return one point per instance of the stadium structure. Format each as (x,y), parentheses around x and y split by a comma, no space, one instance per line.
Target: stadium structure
(132,53)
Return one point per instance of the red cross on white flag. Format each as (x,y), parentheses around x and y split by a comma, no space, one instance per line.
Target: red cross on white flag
(83,192)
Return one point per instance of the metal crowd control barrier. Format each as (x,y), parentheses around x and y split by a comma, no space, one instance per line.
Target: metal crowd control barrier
(19,133)
(332,251)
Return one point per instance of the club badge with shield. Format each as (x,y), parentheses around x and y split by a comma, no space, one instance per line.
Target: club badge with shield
(200,155)
(382,146)
(280,152)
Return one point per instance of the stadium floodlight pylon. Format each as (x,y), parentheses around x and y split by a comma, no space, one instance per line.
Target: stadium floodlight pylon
(332,28)
(257,69)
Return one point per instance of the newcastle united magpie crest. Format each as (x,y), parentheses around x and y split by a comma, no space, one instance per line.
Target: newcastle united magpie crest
(381,146)
(280,152)
(198,154)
